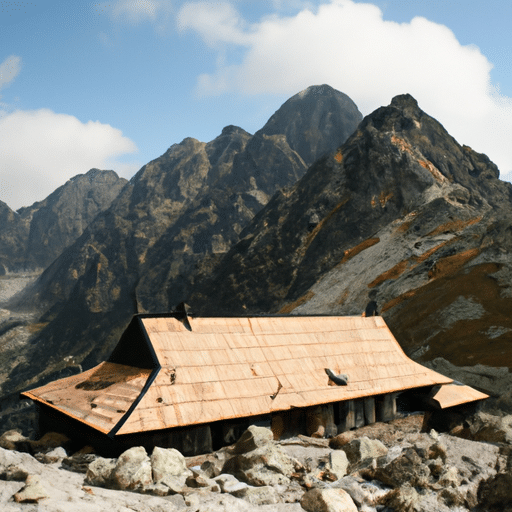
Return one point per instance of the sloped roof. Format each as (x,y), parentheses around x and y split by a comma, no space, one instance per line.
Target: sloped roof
(452,394)
(99,397)
(202,370)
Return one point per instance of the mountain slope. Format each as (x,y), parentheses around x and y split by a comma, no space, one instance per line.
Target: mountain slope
(401,218)
(162,234)
(34,236)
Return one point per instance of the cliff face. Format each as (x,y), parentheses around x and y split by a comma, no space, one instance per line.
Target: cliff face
(13,235)
(33,237)
(168,229)
(401,219)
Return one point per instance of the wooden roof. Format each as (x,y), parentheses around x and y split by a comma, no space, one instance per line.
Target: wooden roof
(99,397)
(453,394)
(202,370)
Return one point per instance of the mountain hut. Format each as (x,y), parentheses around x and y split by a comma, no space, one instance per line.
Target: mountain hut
(196,383)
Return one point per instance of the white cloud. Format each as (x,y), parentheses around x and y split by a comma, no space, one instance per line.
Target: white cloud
(9,70)
(351,47)
(41,150)
(217,22)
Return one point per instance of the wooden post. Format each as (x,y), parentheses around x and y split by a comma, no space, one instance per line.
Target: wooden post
(330,427)
(196,440)
(387,407)
(347,416)
(369,410)
(359,413)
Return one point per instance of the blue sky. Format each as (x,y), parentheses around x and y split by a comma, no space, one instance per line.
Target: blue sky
(113,84)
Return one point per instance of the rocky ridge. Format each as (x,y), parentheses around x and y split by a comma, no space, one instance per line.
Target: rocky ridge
(400,219)
(381,467)
(32,237)
(165,231)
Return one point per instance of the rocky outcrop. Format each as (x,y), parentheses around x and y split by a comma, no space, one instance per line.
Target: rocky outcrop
(400,220)
(167,230)
(413,471)
(34,236)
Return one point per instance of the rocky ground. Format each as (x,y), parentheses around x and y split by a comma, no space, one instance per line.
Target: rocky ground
(381,467)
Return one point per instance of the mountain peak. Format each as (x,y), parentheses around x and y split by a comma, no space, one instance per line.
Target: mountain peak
(314,121)
(230,129)
(319,90)
(404,101)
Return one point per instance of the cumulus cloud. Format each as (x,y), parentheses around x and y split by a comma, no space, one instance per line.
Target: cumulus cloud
(9,70)
(41,150)
(351,47)
(217,22)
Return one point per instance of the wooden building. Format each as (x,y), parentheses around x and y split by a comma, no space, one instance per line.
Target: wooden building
(187,381)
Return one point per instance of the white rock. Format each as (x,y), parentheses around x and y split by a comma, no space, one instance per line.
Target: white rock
(338,463)
(265,495)
(133,469)
(33,491)
(99,472)
(168,461)
(327,500)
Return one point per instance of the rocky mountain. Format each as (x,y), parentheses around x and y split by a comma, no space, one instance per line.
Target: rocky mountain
(34,236)
(401,219)
(167,229)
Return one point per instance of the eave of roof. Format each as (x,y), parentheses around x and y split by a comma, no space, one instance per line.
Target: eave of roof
(100,397)
(450,395)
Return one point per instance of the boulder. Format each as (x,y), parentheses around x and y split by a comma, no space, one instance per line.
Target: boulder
(267,465)
(342,439)
(404,499)
(338,463)
(79,462)
(33,492)
(10,439)
(229,483)
(99,472)
(363,449)
(174,484)
(363,493)
(327,500)
(254,437)
(168,462)
(198,479)
(132,469)
(490,428)
(56,455)
(408,468)
(214,463)
(264,495)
